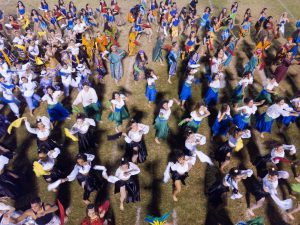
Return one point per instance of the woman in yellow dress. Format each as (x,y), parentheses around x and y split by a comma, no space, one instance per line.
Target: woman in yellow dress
(88,42)
(264,44)
(51,62)
(132,43)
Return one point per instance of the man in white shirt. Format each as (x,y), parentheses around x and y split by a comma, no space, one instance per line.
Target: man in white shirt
(89,100)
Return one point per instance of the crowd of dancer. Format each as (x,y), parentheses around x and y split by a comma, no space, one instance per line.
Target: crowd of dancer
(51,53)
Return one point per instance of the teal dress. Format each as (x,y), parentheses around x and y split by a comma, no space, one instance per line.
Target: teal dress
(116,67)
(161,122)
(120,112)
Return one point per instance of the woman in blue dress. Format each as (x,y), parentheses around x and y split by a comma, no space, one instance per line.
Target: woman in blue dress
(265,121)
(222,122)
(243,117)
(287,120)
(150,88)
(205,17)
(56,111)
(21,8)
(72,8)
(186,91)
(227,30)
(44,6)
(70,21)
(173,57)
(230,47)
(253,62)
(138,24)
(211,96)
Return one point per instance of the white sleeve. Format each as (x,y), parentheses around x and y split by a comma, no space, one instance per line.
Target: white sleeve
(54,153)
(72,176)
(90,121)
(290,148)
(144,128)
(128,139)
(94,96)
(29,128)
(134,169)
(170,103)
(47,123)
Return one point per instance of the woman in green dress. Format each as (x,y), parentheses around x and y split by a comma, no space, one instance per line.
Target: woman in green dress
(161,122)
(118,108)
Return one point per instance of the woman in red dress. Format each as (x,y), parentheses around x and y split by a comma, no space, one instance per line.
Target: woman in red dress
(95,216)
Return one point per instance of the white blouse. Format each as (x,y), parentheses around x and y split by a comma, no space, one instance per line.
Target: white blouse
(85,169)
(275,110)
(272,185)
(270,86)
(49,164)
(190,79)
(52,100)
(3,161)
(246,81)
(119,104)
(216,62)
(86,97)
(125,175)
(84,127)
(79,28)
(165,114)
(28,88)
(136,136)
(274,153)
(193,140)
(247,111)
(215,84)
(41,134)
(151,80)
(179,168)
(195,115)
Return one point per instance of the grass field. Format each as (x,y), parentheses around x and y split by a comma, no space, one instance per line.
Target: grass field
(156,196)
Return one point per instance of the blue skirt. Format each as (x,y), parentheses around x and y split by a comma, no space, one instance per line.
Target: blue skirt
(264,123)
(221,128)
(151,93)
(57,112)
(211,97)
(287,120)
(240,121)
(186,92)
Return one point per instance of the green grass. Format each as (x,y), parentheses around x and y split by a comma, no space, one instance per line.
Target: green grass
(156,196)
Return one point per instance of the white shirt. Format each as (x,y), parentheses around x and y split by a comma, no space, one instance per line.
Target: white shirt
(165,114)
(136,136)
(195,115)
(85,169)
(52,100)
(19,40)
(34,50)
(190,79)
(74,49)
(86,97)
(275,110)
(84,127)
(272,185)
(215,84)
(274,153)
(66,77)
(7,92)
(151,80)
(28,88)
(41,134)
(3,161)
(270,86)
(246,81)
(193,140)
(119,104)
(79,28)
(247,111)
(216,62)
(133,170)
(49,164)
(179,168)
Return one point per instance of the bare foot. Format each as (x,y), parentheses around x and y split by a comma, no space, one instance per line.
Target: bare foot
(297,179)
(182,107)
(290,216)
(31,114)
(175,198)
(157,141)
(121,207)
(117,129)
(169,81)
(149,105)
(262,135)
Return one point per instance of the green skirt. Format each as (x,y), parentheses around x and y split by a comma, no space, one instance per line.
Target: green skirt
(193,125)
(162,128)
(119,116)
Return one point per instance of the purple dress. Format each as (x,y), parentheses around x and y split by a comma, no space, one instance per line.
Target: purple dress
(282,69)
